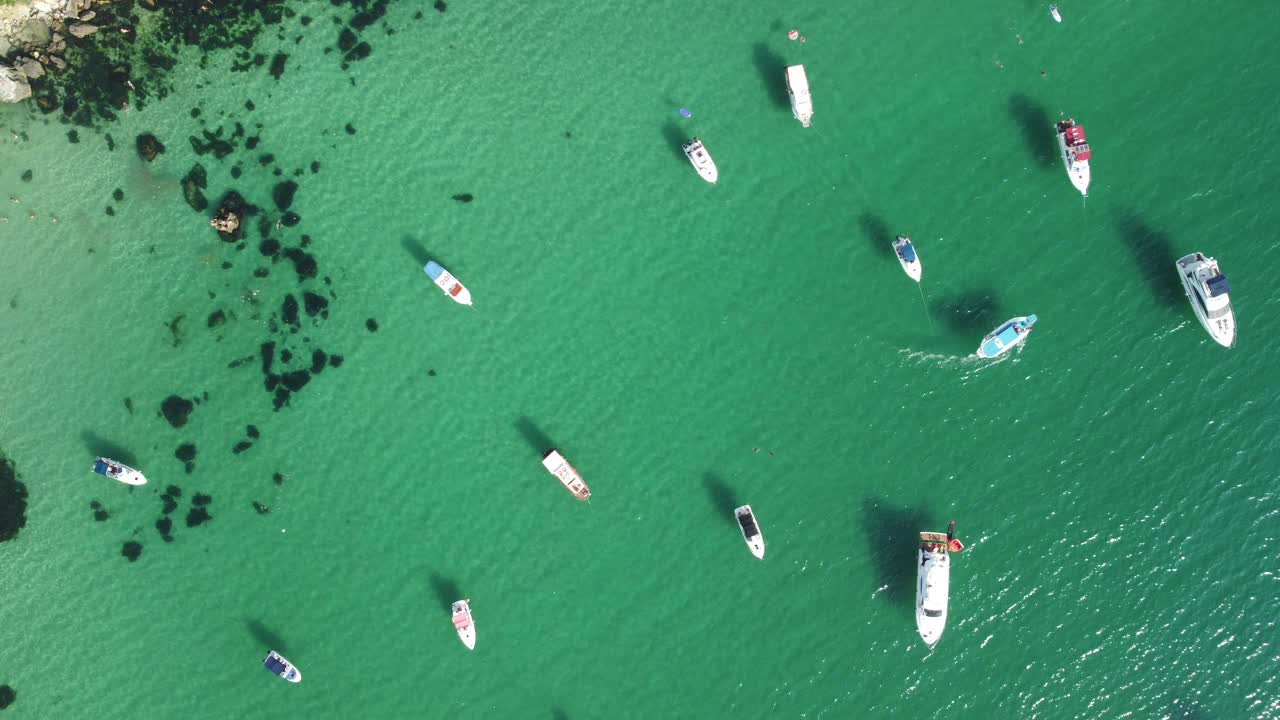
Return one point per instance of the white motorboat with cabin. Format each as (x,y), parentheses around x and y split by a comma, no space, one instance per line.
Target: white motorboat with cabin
(907,257)
(798,89)
(1003,339)
(447,283)
(1207,289)
(463,623)
(933,582)
(555,464)
(118,471)
(750,530)
(1075,154)
(1053,11)
(276,663)
(701,160)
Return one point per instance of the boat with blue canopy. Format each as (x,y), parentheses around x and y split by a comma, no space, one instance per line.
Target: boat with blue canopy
(907,257)
(118,471)
(1005,337)
(276,663)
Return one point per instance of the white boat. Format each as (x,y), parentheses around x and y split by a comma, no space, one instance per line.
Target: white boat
(447,283)
(118,471)
(798,88)
(276,663)
(1207,289)
(1003,339)
(750,530)
(1075,154)
(555,464)
(907,257)
(701,160)
(463,623)
(1053,10)
(933,581)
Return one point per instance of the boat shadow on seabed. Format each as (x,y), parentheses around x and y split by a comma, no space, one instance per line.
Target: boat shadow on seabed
(1037,129)
(1153,254)
(446,590)
(892,534)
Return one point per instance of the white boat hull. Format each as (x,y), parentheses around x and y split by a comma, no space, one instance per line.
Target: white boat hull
(119,472)
(754,540)
(701,160)
(913,268)
(1053,11)
(1078,170)
(464,624)
(568,476)
(933,578)
(1220,321)
(448,284)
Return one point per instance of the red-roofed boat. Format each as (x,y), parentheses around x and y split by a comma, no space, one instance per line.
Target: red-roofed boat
(1075,154)
(463,623)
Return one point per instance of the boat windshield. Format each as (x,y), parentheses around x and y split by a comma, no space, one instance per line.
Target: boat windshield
(933,613)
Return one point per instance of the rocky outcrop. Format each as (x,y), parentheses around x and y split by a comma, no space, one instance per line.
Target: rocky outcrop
(31,34)
(13,85)
(82,30)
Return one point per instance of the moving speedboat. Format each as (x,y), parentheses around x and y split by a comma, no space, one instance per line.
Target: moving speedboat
(1075,153)
(463,623)
(906,253)
(1053,10)
(118,471)
(447,283)
(933,581)
(1003,338)
(798,89)
(276,663)
(750,530)
(1207,289)
(555,464)
(701,160)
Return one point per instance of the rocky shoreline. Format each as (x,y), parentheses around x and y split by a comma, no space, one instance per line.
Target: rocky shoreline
(33,37)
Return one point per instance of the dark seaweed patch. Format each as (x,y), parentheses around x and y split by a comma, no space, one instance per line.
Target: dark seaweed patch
(73,136)
(285,356)
(371,324)
(117,194)
(26,176)
(283,193)
(318,360)
(13,501)
(315,304)
(290,219)
(269,247)
(186,452)
(240,362)
(192,184)
(296,380)
(176,410)
(262,509)
(101,514)
(350,129)
(149,146)
(252,432)
(440,5)
(359,52)
(132,550)
(277,478)
(165,527)
(346,40)
(217,318)
(464,197)
(198,516)
(7,696)
(315,167)
(335,361)
(111,212)
(289,310)
(304,264)
(212,143)
(277,65)
(241,446)
(200,500)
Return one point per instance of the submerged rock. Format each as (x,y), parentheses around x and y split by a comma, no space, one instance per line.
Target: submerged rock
(132,550)
(192,184)
(314,304)
(283,193)
(7,696)
(186,452)
(13,501)
(149,147)
(176,410)
(252,432)
(217,318)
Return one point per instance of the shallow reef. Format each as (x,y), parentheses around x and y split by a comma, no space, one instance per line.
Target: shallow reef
(13,501)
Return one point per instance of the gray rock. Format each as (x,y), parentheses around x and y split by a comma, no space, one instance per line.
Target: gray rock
(32,68)
(58,62)
(5,45)
(13,85)
(35,32)
(81,30)
(87,16)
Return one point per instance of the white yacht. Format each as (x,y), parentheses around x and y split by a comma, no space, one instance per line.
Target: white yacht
(555,464)
(933,580)
(750,530)
(463,623)
(447,283)
(1207,289)
(907,257)
(798,88)
(1053,11)
(1075,154)
(118,471)
(701,160)
(276,663)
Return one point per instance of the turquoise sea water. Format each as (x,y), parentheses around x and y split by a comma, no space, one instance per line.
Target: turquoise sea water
(687,347)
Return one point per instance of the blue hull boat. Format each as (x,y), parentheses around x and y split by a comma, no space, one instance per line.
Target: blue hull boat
(1003,338)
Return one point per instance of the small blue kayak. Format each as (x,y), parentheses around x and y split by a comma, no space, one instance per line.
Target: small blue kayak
(1003,338)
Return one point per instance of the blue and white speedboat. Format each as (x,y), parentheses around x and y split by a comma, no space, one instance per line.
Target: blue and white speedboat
(907,257)
(447,283)
(118,471)
(1003,338)
(279,666)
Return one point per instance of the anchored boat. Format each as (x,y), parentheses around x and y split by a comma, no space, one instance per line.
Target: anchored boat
(1207,289)
(463,623)
(447,283)
(118,471)
(750,530)
(1075,154)
(701,160)
(907,257)
(798,89)
(1002,339)
(555,464)
(1057,16)
(276,663)
(933,582)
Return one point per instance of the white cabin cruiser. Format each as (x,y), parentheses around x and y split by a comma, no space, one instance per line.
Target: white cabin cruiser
(463,623)
(276,663)
(1053,11)
(750,530)
(907,257)
(1207,289)
(1075,154)
(555,464)
(118,471)
(701,160)
(933,582)
(447,283)
(798,89)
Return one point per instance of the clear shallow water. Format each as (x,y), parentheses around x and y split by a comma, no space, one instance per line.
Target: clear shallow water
(1113,480)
